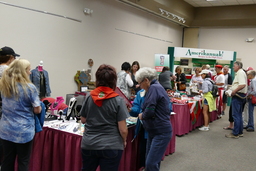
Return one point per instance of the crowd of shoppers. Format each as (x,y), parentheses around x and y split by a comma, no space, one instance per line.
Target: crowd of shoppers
(104,112)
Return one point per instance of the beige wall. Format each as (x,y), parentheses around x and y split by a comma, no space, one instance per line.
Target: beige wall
(231,39)
(190,38)
(65,46)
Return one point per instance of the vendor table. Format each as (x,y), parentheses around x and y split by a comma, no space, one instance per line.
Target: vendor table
(56,150)
(186,120)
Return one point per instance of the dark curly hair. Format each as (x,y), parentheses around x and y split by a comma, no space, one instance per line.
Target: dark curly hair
(126,66)
(106,76)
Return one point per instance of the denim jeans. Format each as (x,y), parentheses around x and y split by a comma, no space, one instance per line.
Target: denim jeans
(237,110)
(156,146)
(108,160)
(250,112)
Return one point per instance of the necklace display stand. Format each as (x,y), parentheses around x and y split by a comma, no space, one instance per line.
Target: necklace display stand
(71,106)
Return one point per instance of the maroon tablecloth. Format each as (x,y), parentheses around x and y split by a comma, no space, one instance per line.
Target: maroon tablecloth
(171,146)
(182,118)
(183,123)
(55,150)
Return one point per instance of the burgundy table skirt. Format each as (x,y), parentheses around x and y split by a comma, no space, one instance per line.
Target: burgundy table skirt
(182,118)
(171,146)
(183,123)
(55,150)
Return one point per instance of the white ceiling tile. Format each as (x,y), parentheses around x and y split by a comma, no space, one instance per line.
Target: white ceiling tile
(246,3)
(204,3)
(194,4)
(219,3)
(231,3)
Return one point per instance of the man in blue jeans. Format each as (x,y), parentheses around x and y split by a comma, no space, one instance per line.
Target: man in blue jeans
(251,92)
(239,90)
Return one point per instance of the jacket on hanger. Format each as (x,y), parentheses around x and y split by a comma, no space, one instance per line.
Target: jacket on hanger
(35,79)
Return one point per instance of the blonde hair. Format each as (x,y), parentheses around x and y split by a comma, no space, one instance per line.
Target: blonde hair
(15,74)
(178,68)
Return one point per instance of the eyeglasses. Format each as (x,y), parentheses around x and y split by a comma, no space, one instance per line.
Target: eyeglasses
(141,82)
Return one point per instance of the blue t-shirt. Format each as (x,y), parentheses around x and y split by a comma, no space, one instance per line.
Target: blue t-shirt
(18,124)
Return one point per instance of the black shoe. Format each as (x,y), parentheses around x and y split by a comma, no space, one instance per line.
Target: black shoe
(245,127)
(250,130)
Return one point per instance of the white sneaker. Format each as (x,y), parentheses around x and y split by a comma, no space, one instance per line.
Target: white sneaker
(204,128)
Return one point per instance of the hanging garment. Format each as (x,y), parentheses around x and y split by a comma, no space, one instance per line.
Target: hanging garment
(41,81)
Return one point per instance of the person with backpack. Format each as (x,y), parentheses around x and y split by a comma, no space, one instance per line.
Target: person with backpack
(219,80)
(209,104)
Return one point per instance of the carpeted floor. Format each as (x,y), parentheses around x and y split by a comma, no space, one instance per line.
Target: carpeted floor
(212,151)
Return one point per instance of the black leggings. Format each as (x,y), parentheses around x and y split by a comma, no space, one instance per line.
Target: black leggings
(11,150)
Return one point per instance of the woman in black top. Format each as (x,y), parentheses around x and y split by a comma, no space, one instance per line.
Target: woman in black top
(135,67)
(180,78)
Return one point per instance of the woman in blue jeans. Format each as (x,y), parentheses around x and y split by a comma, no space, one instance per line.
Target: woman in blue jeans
(104,113)
(155,117)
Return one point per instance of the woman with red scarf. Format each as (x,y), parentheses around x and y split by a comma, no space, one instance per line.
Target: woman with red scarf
(104,114)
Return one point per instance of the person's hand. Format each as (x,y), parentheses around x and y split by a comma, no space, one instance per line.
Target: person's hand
(200,91)
(129,109)
(180,82)
(233,93)
(140,116)
(137,85)
(125,143)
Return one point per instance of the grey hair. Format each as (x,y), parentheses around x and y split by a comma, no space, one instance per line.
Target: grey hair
(226,66)
(252,72)
(238,63)
(207,66)
(145,72)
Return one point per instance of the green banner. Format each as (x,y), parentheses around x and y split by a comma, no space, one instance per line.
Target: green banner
(204,61)
(176,62)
